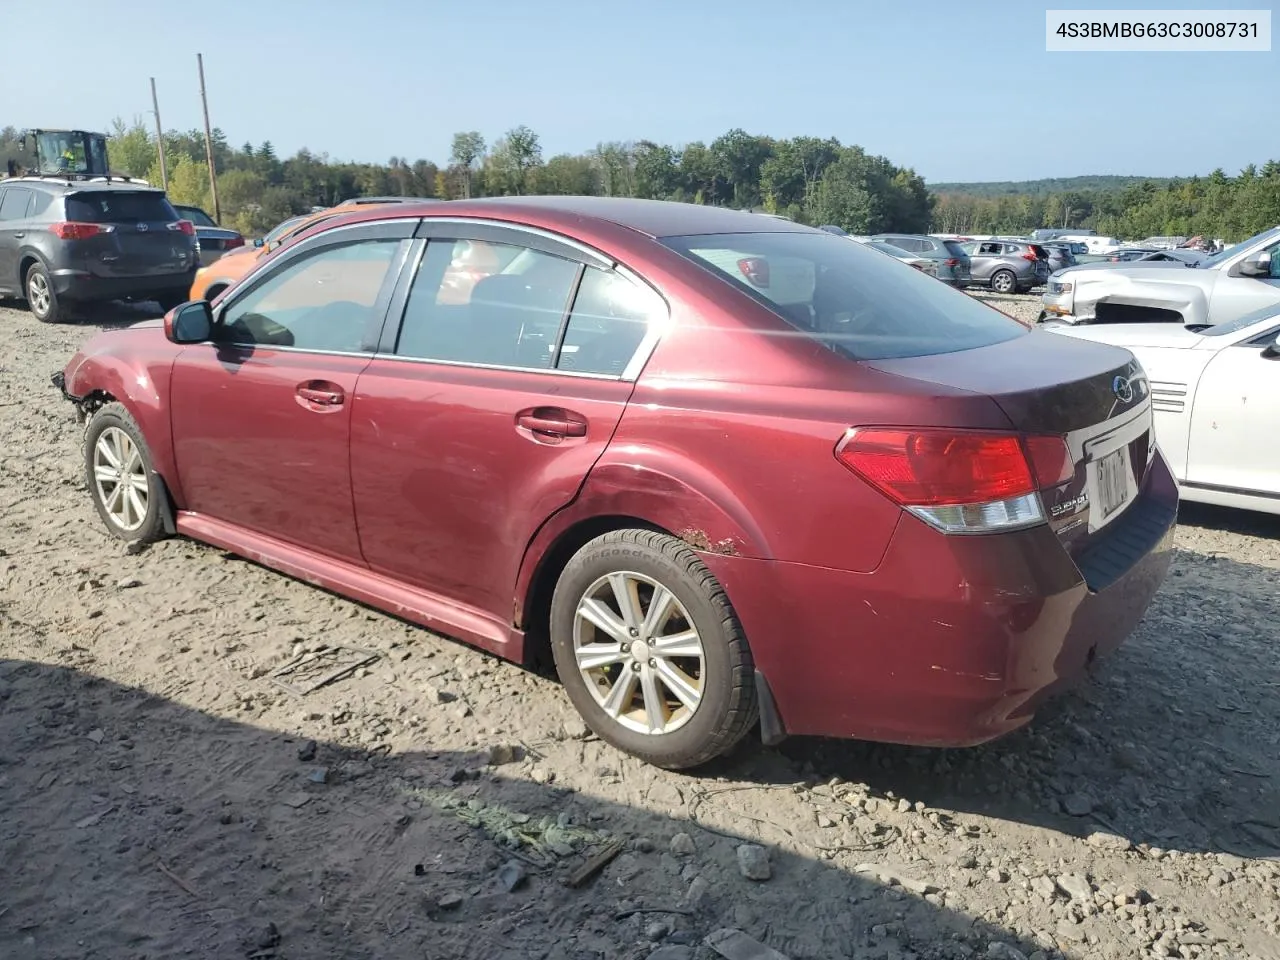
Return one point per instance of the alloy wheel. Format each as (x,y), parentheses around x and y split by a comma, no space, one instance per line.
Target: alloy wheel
(639,653)
(38,296)
(120,478)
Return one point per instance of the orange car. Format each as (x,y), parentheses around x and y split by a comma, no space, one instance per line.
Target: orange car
(230,267)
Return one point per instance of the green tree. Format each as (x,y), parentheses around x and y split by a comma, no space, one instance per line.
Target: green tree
(468,150)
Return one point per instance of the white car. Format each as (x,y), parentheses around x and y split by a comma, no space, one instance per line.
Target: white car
(1215,394)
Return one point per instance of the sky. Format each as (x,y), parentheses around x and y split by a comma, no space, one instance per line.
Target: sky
(959,90)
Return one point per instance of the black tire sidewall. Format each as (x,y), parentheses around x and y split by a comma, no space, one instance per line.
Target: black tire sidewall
(713,714)
(115,415)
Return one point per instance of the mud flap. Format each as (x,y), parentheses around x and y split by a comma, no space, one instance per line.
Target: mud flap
(772,732)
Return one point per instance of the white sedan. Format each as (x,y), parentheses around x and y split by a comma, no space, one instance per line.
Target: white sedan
(1215,392)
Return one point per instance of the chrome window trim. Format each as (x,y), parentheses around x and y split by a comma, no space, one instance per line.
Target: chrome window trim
(578,245)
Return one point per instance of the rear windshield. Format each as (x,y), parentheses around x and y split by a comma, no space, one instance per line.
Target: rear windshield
(954,248)
(118,206)
(852,300)
(196,216)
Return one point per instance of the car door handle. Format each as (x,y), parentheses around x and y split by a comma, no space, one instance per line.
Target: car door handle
(552,422)
(325,396)
(19,234)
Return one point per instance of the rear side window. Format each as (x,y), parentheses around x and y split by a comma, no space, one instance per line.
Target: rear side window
(486,303)
(119,206)
(609,319)
(14,203)
(854,301)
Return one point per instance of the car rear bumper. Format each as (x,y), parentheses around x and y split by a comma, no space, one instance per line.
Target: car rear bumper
(79,285)
(952,641)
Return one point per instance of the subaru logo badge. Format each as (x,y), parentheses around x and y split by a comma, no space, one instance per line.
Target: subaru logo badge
(143,228)
(1123,389)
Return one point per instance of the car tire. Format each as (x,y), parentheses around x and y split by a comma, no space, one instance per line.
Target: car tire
(1003,281)
(134,512)
(654,722)
(42,299)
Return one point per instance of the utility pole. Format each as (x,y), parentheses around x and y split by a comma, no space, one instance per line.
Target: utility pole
(208,143)
(155,105)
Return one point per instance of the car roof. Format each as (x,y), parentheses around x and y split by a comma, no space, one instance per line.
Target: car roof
(651,218)
(52,182)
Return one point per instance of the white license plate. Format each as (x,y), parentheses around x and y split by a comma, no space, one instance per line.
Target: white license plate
(1113,483)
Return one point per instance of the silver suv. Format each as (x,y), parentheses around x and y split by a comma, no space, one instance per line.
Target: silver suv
(1007,266)
(950,257)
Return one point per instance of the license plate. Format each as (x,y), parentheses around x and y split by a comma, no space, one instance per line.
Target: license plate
(1113,482)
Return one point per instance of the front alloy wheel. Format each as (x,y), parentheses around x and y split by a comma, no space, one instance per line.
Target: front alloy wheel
(120,479)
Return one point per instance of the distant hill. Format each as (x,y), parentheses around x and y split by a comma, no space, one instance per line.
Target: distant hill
(1041,188)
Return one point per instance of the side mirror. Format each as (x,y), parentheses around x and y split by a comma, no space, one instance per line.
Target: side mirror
(190,322)
(1259,265)
(1272,349)
(259,242)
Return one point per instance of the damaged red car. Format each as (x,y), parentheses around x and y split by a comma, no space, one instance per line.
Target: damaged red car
(731,473)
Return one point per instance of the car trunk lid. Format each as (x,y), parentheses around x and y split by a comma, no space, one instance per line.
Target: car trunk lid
(138,233)
(1095,396)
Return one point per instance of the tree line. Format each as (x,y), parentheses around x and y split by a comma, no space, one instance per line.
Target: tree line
(810,179)
(1231,208)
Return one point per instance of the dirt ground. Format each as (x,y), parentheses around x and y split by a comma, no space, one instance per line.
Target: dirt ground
(161,796)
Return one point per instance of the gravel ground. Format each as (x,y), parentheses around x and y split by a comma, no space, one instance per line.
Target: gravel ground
(161,796)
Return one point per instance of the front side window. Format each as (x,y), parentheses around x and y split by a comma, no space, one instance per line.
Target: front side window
(321,301)
(487,303)
(852,300)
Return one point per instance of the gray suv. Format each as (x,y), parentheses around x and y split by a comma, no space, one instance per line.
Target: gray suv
(67,242)
(950,258)
(1007,266)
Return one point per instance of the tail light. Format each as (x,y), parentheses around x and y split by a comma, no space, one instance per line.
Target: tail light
(184,226)
(755,269)
(234,242)
(1030,255)
(74,230)
(952,262)
(959,481)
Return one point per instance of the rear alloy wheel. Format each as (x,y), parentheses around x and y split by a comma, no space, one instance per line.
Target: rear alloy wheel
(118,472)
(41,298)
(650,651)
(1003,281)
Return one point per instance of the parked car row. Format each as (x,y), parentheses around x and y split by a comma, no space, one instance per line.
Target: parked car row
(733,473)
(1006,266)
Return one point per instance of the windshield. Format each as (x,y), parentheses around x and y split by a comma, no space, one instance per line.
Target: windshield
(849,299)
(1219,258)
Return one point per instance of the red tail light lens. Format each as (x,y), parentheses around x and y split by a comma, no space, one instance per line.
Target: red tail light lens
(184,226)
(1030,256)
(755,269)
(234,242)
(935,467)
(72,230)
(1050,461)
(959,481)
(953,261)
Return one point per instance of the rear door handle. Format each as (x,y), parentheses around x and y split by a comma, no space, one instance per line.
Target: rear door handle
(19,234)
(551,421)
(321,393)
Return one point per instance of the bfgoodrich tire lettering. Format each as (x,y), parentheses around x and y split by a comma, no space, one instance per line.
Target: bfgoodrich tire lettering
(119,474)
(699,627)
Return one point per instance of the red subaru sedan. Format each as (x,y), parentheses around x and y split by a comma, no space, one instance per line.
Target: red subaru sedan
(730,471)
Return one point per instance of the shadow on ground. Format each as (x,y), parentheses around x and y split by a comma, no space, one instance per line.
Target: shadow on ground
(134,827)
(109,315)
